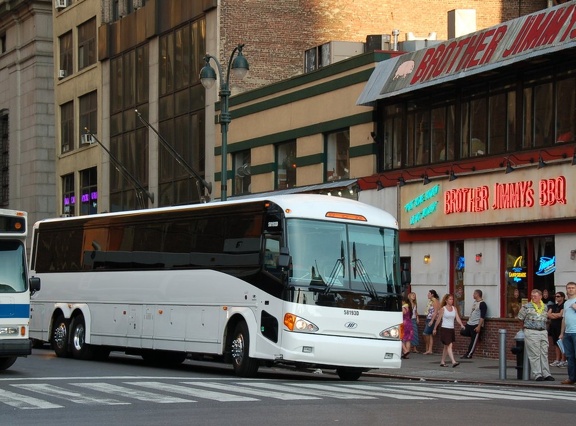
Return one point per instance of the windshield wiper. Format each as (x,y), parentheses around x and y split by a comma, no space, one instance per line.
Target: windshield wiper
(340,263)
(359,270)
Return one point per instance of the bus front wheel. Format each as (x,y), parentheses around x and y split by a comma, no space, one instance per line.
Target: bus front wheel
(7,362)
(59,336)
(244,366)
(80,349)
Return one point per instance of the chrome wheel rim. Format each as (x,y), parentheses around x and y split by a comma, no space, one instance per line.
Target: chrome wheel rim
(60,335)
(238,349)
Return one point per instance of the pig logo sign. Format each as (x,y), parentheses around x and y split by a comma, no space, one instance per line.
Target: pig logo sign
(404,69)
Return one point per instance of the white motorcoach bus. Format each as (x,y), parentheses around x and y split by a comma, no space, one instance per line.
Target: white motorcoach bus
(304,280)
(14,289)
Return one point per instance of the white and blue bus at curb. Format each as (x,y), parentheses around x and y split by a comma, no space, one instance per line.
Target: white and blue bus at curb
(14,288)
(307,281)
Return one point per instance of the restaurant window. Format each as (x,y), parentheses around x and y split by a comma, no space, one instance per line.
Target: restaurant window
(338,155)
(87,44)
(286,165)
(502,122)
(474,127)
(530,264)
(88,191)
(538,116)
(67,127)
(566,110)
(393,137)
(65,46)
(68,195)
(242,173)
(443,139)
(458,268)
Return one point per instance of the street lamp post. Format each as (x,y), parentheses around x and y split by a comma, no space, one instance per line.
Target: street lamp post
(239,67)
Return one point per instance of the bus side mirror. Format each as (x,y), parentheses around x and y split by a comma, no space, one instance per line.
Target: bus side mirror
(34,284)
(284,259)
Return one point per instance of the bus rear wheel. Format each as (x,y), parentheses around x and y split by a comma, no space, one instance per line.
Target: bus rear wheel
(80,349)
(6,363)
(59,336)
(349,374)
(244,366)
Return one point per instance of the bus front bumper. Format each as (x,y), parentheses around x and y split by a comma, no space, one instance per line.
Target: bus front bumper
(15,347)
(339,351)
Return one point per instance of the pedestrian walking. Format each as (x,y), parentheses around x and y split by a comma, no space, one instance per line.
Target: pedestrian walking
(534,317)
(568,332)
(407,325)
(415,321)
(431,309)
(447,315)
(475,323)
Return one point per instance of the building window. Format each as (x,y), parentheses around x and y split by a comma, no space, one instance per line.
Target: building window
(338,155)
(566,110)
(181,113)
(68,195)
(2,43)
(242,173)
(459,266)
(89,113)
(67,127)
(87,44)
(129,90)
(65,43)
(4,157)
(88,191)
(286,165)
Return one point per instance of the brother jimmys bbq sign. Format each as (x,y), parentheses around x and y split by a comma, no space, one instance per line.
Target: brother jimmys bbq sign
(544,32)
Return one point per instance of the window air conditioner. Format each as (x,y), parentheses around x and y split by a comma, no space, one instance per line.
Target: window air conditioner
(86,139)
(60,4)
(61,74)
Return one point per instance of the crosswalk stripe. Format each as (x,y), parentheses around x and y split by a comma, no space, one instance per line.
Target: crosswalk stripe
(501,394)
(25,402)
(132,393)
(75,397)
(378,391)
(428,393)
(539,394)
(369,391)
(286,396)
(328,392)
(189,391)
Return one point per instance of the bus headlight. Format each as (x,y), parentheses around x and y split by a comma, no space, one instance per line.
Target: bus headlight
(8,331)
(391,333)
(295,323)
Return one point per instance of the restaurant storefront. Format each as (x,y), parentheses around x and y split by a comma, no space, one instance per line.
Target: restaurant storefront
(478,150)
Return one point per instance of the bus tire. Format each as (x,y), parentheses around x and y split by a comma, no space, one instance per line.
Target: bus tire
(59,337)
(6,363)
(78,346)
(244,366)
(349,374)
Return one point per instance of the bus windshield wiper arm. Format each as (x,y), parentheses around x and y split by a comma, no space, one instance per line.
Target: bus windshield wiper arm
(359,270)
(340,263)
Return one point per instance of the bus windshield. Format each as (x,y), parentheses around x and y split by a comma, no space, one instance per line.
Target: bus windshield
(341,257)
(12,267)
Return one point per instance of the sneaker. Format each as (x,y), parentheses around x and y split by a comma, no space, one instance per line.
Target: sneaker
(563,364)
(555,364)
(549,378)
(539,379)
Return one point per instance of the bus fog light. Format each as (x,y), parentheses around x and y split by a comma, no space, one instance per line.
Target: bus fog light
(307,349)
(388,355)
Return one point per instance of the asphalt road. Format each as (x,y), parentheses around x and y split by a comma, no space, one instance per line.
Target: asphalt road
(43,389)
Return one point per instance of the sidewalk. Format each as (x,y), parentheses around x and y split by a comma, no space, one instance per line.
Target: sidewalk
(476,370)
